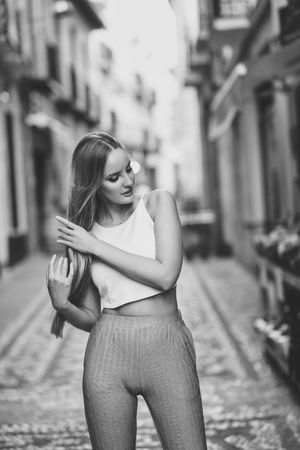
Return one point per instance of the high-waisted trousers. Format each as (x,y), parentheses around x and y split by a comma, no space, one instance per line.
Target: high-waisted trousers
(152,356)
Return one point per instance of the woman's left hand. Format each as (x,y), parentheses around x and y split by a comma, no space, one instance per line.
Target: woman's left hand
(74,236)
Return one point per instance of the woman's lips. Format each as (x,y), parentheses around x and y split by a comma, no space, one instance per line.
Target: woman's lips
(127,193)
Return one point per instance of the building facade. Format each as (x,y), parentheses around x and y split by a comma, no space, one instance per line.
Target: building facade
(189,130)
(254,127)
(45,105)
(60,77)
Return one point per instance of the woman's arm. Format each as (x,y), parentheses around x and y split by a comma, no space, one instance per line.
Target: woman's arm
(85,315)
(161,272)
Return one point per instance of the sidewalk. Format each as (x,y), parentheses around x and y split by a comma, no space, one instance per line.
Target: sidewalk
(22,290)
(246,405)
(235,295)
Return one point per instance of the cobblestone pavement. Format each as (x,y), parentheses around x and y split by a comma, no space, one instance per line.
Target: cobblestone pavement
(246,405)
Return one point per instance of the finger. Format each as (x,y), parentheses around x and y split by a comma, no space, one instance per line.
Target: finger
(65,237)
(66,222)
(64,267)
(64,242)
(59,265)
(65,230)
(51,266)
(71,271)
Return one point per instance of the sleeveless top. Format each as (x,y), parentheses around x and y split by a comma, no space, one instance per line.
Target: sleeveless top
(135,235)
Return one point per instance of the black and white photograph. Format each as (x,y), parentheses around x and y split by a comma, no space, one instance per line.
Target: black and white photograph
(150,224)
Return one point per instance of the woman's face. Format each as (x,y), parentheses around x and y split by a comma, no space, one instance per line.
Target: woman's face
(118,178)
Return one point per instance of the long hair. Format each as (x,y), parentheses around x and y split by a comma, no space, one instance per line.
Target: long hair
(88,162)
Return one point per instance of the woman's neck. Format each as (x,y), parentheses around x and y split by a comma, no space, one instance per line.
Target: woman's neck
(114,213)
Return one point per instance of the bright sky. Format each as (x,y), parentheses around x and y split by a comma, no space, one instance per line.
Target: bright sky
(151,22)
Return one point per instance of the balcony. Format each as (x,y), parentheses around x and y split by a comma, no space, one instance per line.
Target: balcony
(193,79)
(289,17)
(198,64)
(230,21)
(71,95)
(75,96)
(199,60)
(42,77)
(233,9)
(81,97)
(65,91)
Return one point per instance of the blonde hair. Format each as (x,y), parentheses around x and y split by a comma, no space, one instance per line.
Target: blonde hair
(88,162)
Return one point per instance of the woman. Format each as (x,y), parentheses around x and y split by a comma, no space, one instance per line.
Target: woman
(126,250)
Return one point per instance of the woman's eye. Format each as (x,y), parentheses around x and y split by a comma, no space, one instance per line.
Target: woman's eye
(113,179)
(129,169)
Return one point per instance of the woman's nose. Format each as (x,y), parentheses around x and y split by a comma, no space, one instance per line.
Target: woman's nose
(128,179)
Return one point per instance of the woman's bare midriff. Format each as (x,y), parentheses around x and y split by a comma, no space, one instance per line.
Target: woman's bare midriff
(162,303)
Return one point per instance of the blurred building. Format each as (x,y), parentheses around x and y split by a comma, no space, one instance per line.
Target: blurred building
(189,126)
(126,99)
(15,161)
(63,74)
(134,106)
(229,23)
(244,64)
(254,126)
(46,103)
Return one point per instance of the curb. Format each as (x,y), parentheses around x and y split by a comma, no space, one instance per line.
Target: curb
(252,373)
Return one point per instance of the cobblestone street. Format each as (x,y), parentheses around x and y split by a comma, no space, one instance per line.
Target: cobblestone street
(247,405)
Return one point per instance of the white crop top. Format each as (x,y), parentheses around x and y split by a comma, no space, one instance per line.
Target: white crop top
(135,235)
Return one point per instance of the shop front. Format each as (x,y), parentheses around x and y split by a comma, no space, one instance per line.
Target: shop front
(275,80)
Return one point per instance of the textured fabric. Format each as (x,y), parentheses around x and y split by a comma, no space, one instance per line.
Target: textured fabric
(135,235)
(152,356)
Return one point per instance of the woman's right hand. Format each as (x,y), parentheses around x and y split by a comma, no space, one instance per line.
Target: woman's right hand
(59,283)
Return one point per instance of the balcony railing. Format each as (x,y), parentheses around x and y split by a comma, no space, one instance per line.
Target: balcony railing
(233,8)
(199,59)
(205,23)
(74,94)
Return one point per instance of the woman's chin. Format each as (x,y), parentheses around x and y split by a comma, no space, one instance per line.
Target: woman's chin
(127,200)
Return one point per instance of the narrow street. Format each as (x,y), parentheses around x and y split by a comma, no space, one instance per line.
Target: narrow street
(247,405)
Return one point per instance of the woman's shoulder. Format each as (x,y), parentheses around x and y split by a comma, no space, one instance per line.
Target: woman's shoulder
(153,198)
(158,193)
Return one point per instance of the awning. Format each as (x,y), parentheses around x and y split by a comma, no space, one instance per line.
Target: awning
(246,77)
(217,129)
(226,103)
(277,64)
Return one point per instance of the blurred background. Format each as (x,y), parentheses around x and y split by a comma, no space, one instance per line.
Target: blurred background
(205,94)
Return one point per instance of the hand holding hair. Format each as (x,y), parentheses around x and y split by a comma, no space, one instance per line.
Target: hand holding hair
(59,282)
(74,236)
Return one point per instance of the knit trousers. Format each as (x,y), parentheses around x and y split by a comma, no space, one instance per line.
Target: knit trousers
(152,356)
